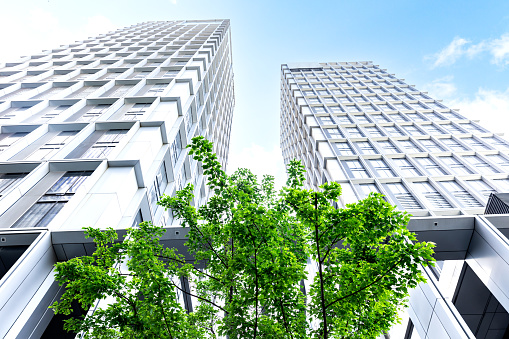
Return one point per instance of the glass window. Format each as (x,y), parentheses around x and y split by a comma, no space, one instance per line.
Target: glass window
(409,146)
(475,144)
(363,119)
(343,148)
(431,145)
(373,131)
(415,117)
(480,165)
(8,139)
(365,147)
(496,142)
(404,199)
(343,119)
(354,132)
(355,169)
(455,165)
(135,112)
(451,115)
(473,128)
(379,118)
(481,187)
(381,168)
(412,130)
(333,133)
(365,189)
(432,196)
(53,146)
(387,147)
(431,129)
(453,144)
(452,129)
(465,199)
(105,144)
(176,148)
(94,113)
(9,180)
(326,121)
(48,206)
(393,131)
(431,167)
(502,185)
(406,167)
(498,159)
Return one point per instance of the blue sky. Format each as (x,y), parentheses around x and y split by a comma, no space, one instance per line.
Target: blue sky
(456,50)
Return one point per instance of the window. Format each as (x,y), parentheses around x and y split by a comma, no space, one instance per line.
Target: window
(453,144)
(333,133)
(502,185)
(343,119)
(105,144)
(354,132)
(496,142)
(415,117)
(455,165)
(452,129)
(53,146)
(412,130)
(406,167)
(381,168)
(136,111)
(379,118)
(365,189)
(48,206)
(326,121)
(431,167)
(373,131)
(498,159)
(475,144)
(343,148)
(365,147)
(393,131)
(404,199)
(176,148)
(387,147)
(431,145)
(431,129)
(473,128)
(409,146)
(9,139)
(465,199)
(355,169)
(432,196)
(94,113)
(451,115)
(480,165)
(9,180)
(481,187)
(363,119)
(158,187)
(156,89)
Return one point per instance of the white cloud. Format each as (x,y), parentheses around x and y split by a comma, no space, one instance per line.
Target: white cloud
(459,47)
(260,161)
(451,53)
(173,2)
(441,88)
(42,30)
(489,106)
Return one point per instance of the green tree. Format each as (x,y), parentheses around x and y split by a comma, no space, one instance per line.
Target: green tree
(285,265)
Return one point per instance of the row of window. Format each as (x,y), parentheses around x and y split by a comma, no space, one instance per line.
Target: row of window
(392,129)
(453,144)
(440,195)
(425,166)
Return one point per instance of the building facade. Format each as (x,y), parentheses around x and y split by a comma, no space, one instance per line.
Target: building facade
(91,134)
(358,125)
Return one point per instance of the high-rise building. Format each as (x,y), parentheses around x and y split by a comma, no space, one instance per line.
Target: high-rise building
(358,125)
(91,134)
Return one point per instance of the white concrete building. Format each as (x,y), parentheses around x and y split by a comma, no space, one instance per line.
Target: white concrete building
(356,124)
(91,134)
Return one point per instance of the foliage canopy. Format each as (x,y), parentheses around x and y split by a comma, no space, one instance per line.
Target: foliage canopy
(278,265)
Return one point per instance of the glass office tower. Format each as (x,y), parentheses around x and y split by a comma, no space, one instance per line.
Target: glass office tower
(358,125)
(91,134)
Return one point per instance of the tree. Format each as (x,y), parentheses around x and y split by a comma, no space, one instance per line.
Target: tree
(261,250)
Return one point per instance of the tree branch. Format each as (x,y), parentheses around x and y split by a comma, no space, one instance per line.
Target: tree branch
(198,297)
